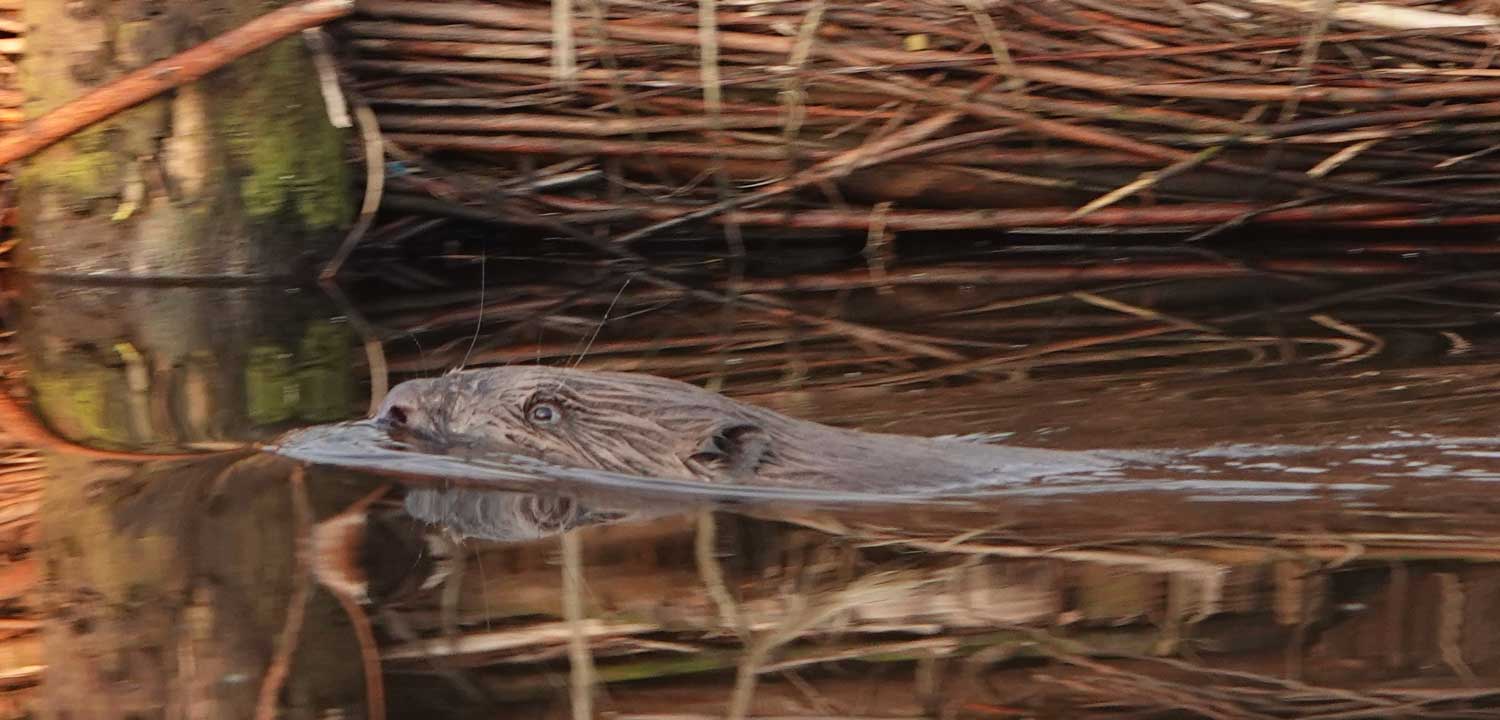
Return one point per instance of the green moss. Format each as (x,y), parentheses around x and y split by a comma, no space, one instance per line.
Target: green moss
(272,170)
(84,168)
(292,157)
(315,385)
(324,200)
(94,163)
(254,157)
(325,385)
(270,392)
(76,404)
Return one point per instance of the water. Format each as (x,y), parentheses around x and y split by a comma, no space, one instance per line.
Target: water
(1292,524)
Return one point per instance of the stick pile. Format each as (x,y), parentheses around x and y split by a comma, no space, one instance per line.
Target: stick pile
(648,116)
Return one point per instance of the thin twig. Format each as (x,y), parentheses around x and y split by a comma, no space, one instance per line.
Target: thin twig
(374,145)
(705,551)
(582,676)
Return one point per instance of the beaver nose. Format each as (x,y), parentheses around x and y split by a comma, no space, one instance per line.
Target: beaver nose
(394,415)
(402,405)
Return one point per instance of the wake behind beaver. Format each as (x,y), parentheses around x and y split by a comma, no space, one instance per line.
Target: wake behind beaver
(623,446)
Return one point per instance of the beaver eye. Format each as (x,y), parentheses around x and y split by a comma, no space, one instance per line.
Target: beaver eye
(544,413)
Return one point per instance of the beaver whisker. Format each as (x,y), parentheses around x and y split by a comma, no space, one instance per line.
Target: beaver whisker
(562,381)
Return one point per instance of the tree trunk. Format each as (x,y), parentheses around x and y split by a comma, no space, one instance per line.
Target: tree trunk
(238,176)
(167,589)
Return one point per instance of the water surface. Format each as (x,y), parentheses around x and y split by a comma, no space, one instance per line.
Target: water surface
(1298,523)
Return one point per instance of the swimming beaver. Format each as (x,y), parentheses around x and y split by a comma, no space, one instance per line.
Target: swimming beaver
(655,427)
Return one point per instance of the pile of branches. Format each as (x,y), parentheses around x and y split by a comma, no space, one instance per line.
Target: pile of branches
(645,118)
(21,472)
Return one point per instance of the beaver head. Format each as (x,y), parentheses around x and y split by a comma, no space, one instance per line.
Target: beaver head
(620,422)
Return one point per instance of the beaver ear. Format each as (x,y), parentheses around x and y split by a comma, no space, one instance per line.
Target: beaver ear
(734,449)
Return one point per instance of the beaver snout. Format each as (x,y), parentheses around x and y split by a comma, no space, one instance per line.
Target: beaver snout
(404,408)
(397,419)
(395,416)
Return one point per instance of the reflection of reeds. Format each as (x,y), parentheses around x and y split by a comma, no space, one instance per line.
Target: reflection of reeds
(20,487)
(1204,627)
(21,472)
(920,323)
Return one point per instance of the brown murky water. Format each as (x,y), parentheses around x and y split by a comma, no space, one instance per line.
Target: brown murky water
(1301,520)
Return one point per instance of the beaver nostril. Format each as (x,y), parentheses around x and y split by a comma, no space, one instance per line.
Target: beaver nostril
(395,414)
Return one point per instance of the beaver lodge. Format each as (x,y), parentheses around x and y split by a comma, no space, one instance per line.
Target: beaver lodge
(1259,234)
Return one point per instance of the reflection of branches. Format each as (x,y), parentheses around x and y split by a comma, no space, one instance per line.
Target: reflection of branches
(21,475)
(1231,694)
(23,426)
(900,597)
(805,612)
(582,678)
(374,347)
(1020,312)
(369,656)
(291,630)
(324,552)
(323,540)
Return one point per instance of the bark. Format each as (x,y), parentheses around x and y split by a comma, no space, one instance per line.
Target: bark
(237,175)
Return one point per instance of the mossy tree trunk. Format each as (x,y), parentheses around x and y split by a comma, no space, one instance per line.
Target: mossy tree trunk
(239,178)
(166,590)
(240,175)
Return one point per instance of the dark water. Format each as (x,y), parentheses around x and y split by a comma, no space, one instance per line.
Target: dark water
(1301,521)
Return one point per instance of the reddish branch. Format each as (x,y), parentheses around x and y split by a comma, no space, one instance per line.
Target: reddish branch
(159,77)
(859,218)
(549,124)
(1264,44)
(543,145)
(22,426)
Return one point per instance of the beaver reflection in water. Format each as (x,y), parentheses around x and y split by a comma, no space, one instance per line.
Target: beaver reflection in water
(659,428)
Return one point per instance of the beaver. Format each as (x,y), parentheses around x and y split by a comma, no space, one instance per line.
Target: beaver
(661,428)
